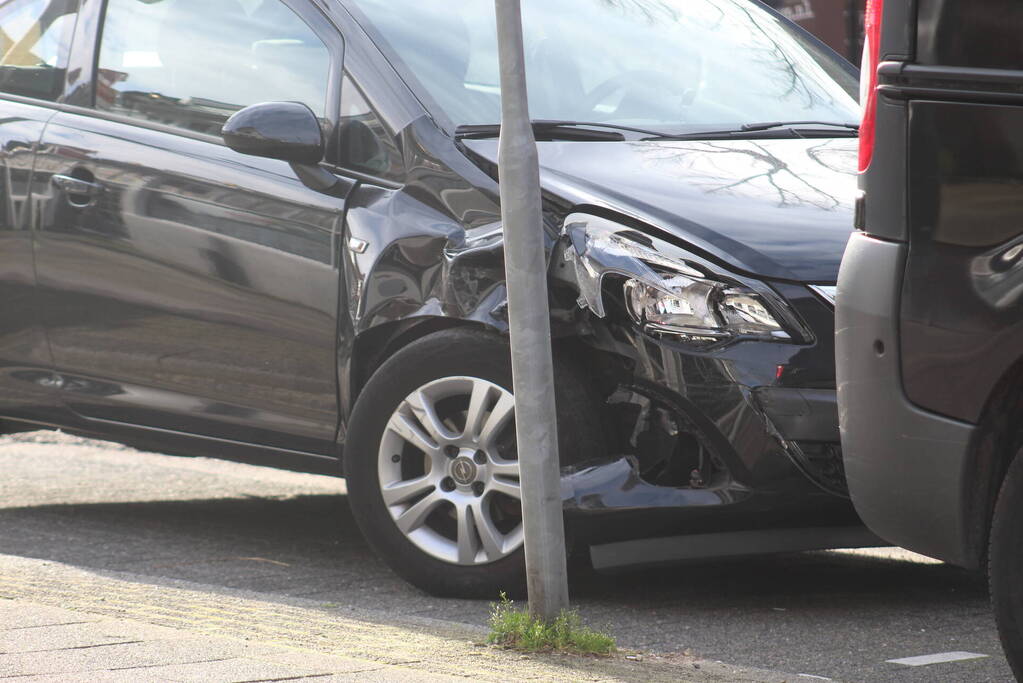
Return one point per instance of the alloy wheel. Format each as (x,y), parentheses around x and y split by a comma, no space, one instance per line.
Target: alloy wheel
(449,473)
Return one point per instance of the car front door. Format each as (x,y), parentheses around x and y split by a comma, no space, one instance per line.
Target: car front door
(187,287)
(35,39)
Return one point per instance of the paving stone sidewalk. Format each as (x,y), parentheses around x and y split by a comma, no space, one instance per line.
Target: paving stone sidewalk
(43,643)
(46,643)
(62,623)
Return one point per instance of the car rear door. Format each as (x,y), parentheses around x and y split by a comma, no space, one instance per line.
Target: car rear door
(35,41)
(187,287)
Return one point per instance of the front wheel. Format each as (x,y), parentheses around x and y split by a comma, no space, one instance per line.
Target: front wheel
(1006,565)
(432,465)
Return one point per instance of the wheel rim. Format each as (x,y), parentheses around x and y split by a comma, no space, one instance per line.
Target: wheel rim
(448,471)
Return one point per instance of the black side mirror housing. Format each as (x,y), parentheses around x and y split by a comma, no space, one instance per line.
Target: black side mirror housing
(288,131)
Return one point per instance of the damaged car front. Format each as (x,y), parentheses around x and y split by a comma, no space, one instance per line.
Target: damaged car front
(723,399)
(698,168)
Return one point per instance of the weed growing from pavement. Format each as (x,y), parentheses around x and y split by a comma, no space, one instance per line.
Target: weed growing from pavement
(513,627)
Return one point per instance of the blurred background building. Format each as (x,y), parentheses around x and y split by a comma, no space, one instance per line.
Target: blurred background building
(839,23)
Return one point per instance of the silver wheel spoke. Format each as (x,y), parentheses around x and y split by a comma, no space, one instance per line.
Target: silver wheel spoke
(506,487)
(405,428)
(477,405)
(416,515)
(468,545)
(497,419)
(493,546)
(438,461)
(423,408)
(505,468)
(402,491)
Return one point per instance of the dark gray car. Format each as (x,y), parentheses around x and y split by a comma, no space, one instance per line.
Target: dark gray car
(269,230)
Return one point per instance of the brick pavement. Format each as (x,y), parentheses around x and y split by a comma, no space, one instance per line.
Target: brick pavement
(62,623)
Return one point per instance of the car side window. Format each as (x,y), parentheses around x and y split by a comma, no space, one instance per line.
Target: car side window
(192,63)
(35,36)
(367,145)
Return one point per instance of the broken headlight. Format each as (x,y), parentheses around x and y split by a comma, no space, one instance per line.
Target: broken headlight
(665,290)
(701,309)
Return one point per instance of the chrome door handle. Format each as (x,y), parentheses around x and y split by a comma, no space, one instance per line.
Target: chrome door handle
(77,187)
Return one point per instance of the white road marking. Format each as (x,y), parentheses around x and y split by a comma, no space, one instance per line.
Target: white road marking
(816,678)
(939,658)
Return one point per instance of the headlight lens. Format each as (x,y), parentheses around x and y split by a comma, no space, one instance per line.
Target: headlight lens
(700,310)
(667,290)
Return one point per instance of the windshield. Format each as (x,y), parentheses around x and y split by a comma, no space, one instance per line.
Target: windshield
(677,65)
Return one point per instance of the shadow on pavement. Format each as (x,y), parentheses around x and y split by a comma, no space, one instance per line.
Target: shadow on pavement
(790,612)
(313,540)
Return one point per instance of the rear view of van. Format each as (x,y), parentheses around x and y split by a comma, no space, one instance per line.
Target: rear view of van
(930,297)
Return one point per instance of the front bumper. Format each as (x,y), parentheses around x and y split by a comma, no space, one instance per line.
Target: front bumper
(719,445)
(905,467)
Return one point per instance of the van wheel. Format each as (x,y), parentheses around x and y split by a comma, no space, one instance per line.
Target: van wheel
(1006,565)
(432,466)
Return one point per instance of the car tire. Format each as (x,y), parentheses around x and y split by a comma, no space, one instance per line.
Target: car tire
(1005,564)
(450,524)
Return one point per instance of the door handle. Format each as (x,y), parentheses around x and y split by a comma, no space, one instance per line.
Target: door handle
(77,188)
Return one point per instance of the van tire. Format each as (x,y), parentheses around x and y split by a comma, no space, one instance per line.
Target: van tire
(1005,564)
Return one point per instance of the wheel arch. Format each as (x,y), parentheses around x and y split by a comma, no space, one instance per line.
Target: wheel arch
(373,347)
(998,438)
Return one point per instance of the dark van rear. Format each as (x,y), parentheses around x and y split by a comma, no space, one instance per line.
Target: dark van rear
(930,299)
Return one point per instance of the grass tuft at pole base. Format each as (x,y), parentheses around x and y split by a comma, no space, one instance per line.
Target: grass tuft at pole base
(512,627)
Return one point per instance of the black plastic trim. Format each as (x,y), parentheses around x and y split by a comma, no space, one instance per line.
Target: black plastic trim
(656,551)
(911,81)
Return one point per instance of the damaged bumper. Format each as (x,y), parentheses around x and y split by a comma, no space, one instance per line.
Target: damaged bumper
(727,438)
(718,469)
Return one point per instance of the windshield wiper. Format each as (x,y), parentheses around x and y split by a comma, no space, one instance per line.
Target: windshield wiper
(795,129)
(589,130)
(560,130)
(797,124)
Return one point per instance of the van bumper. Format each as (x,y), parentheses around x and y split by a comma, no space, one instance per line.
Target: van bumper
(905,466)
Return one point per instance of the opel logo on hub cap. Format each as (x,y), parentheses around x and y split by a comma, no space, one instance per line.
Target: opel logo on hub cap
(463,471)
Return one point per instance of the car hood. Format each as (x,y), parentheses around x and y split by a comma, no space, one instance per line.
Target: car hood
(774,208)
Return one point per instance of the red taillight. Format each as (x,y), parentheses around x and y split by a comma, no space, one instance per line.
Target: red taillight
(868,78)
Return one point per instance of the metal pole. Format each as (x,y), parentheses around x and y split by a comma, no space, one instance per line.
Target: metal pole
(529,319)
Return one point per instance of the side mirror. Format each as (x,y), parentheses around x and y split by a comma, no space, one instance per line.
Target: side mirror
(288,131)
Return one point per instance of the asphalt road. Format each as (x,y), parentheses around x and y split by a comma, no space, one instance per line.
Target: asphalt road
(837,615)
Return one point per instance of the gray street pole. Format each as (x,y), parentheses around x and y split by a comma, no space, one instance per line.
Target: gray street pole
(529,319)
